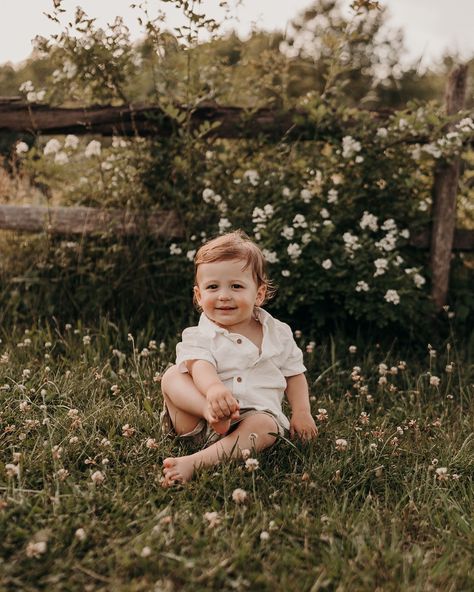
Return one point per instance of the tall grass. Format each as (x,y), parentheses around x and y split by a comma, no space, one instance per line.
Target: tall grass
(391,510)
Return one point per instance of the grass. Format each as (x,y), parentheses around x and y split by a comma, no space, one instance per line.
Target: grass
(379,515)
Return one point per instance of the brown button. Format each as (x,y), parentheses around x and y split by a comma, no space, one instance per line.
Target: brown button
(239,379)
(239,340)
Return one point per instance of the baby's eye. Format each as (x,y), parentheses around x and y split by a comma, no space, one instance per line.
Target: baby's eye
(236,285)
(212,286)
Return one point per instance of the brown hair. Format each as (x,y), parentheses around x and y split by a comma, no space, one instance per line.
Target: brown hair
(236,245)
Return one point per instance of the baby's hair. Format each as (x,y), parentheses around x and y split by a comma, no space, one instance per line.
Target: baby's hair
(236,246)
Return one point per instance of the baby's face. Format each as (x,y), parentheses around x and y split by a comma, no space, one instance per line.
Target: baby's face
(227,293)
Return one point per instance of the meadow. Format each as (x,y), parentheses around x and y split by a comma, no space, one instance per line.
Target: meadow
(382,500)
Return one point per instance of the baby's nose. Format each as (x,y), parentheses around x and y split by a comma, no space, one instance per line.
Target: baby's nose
(224,296)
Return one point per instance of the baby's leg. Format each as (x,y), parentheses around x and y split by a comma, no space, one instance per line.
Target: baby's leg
(186,404)
(181,469)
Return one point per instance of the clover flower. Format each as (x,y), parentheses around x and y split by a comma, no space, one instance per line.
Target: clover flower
(80,534)
(341,444)
(51,147)
(213,519)
(93,149)
(21,148)
(442,474)
(98,477)
(326,264)
(71,141)
(239,495)
(434,380)
(350,146)
(36,549)
(251,464)
(128,431)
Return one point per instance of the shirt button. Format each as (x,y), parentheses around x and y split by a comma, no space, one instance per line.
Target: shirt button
(239,379)
(239,340)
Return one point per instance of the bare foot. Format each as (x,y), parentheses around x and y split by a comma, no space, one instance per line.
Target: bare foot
(221,426)
(177,470)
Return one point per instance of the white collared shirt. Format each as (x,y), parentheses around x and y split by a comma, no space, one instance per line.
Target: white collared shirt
(256,379)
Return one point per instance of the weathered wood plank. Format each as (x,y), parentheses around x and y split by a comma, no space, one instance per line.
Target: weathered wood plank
(84,220)
(445,187)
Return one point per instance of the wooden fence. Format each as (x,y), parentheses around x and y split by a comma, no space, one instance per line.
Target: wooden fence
(233,122)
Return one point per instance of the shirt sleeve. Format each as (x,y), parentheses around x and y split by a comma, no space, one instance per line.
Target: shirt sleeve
(293,356)
(193,346)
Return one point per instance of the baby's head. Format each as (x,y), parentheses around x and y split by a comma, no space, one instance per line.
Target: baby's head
(236,246)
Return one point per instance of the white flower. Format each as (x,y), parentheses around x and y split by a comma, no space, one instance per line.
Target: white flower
(324,213)
(306,195)
(71,141)
(341,444)
(434,380)
(351,243)
(285,272)
(299,221)
(387,243)
(251,464)
(21,148)
(145,552)
(80,534)
(207,195)
(382,132)
(26,87)
(52,146)
(392,296)
(224,224)
(402,124)
(419,280)
(86,340)
(381,266)
(239,496)
(352,349)
(350,146)
(36,549)
(61,158)
(213,519)
(326,264)
(294,250)
(288,232)
(151,443)
(92,149)
(252,177)
(286,192)
(442,473)
(175,250)
(465,125)
(362,286)
(368,221)
(12,470)
(69,69)
(190,254)
(98,477)
(270,256)
(264,535)
(389,224)
(432,149)
(333,196)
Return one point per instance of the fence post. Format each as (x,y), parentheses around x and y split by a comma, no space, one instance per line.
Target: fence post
(445,187)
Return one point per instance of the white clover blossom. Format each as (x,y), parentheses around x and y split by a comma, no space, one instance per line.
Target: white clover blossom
(252,177)
(190,254)
(294,250)
(92,149)
(207,195)
(369,221)
(381,266)
(341,444)
(392,297)
(382,132)
(52,146)
(350,146)
(362,286)
(175,250)
(224,224)
(434,380)
(97,477)
(326,264)
(239,495)
(285,272)
(251,464)
(35,549)
(332,196)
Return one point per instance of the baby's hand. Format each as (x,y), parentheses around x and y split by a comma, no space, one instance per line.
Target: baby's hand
(222,402)
(303,425)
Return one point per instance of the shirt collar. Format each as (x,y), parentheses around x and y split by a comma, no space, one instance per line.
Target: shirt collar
(210,328)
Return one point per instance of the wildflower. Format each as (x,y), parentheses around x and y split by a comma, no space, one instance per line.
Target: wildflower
(34,550)
(251,464)
(213,519)
(299,221)
(392,297)
(21,148)
(252,177)
(364,418)
(322,415)
(264,535)
(127,431)
(285,273)
(115,389)
(151,443)
(86,340)
(434,380)
(239,496)
(207,195)
(350,146)
(270,256)
(71,141)
(12,470)
(326,264)
(362,286)
(73,440)
(306,195)
(175,250)
(24,406)
(288,232)
(382,132)
(449,368)
(382,380)
(332,196)
(341,444)
(455,477)
(190,254)
(324,213)
(419,280)
(442,474)
(294,251)
(52,146)
(381,266)
(61,158)
(98,477)
(92,149)
(369,221)
(145,552)
(62,474)
(56,452)
(80,534)
(353,349)
(224,224)
(402,365)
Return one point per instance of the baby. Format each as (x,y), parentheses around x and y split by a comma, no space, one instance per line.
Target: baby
(232,370)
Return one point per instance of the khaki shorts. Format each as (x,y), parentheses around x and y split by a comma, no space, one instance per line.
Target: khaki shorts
(203,435)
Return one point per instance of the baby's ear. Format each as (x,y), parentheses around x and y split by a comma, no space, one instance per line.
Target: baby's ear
(261,293)
(197,294)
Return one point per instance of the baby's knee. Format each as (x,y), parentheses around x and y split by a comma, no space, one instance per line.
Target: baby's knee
(168,378)
(263,425)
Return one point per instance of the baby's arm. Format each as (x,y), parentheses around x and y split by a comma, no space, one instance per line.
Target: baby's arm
(220,399)
(301,421)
